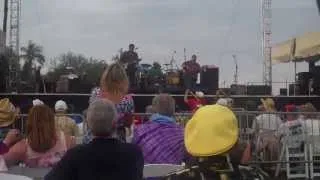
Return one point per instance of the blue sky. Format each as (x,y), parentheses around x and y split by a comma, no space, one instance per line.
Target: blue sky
(213,29)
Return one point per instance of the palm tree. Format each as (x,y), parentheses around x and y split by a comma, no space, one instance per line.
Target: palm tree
(32,54)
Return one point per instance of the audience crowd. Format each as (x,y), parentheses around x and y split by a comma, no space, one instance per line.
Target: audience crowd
(113,143)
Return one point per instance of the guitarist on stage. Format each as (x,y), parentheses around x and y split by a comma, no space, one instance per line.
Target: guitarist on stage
(131,60)
(190,73)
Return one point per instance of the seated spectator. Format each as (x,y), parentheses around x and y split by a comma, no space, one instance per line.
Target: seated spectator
(293,130)
(114,86)
(149,110)
(196,101)
(311,121)
(312,125)
(43,145)
(210,141)
(267,121)
(8,115)
(265,127)
(37,102)
(104,157)
(161,139)
(64,122)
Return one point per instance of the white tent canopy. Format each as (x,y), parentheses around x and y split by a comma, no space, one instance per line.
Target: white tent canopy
(298,48)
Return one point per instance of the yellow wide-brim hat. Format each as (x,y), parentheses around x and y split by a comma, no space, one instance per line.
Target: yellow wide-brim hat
(213,130)
(7,113)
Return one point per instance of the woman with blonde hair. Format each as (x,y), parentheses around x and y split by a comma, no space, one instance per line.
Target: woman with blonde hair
(43,145)
(114,86)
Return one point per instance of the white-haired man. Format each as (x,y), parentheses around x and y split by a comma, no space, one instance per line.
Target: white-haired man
(63,122)
(104,157)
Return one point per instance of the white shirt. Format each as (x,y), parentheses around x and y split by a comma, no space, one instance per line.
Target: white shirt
(267,122)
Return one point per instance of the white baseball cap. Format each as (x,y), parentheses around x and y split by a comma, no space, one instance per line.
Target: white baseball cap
(37,102)
(199,94)
(61,106)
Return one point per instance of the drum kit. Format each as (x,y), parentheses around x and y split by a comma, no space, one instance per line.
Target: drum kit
(170,78)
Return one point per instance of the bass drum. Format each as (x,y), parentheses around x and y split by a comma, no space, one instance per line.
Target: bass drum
(173,78)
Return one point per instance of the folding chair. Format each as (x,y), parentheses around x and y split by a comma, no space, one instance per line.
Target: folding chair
(297,169)
(160,170)
(314,155)
(13,177)
(294,150)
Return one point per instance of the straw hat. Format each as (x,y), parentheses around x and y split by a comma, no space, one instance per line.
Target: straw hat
(268,104)
(213,130)
(7,113)
(308,108)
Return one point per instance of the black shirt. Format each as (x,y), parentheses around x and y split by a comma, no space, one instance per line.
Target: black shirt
(129,57)
(105,159)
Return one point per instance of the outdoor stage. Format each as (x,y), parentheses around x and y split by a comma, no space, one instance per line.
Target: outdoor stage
(79,102)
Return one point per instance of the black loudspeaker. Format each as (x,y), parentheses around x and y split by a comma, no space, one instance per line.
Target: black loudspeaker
(303,82)
(209,79)
(284,92)
(238,89)
(258,90)
(316,80)
(293,90)
(318,4)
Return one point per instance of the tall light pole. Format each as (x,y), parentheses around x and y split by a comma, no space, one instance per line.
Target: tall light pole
(236,73)
(266,22)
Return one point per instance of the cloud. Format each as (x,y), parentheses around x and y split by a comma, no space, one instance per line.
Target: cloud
(213,29)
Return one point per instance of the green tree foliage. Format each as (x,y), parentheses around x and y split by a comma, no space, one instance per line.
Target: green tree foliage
(31,54)
(90,67)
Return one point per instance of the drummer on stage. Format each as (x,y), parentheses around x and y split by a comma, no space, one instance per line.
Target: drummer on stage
(130,59)
(190,73)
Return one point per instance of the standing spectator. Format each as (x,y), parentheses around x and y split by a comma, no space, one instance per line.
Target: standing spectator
(43,145)
(196,101)
(125,110)
(113,86)
(161,139)
(63,122)
(104,157)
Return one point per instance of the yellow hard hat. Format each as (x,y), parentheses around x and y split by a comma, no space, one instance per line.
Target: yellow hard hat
(213,130)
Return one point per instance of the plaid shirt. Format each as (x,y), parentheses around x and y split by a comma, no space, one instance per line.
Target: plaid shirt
(191,67)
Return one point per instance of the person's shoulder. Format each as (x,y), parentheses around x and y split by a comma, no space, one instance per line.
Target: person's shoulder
(131,148)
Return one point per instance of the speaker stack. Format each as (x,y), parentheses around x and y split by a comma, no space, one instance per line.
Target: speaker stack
(303,82)
(209,79)
(316,80)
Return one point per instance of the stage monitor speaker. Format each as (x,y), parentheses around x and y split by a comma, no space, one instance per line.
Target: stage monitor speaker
(238,89)
(283,92)
(209,79)
(294,90)
(258,90)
